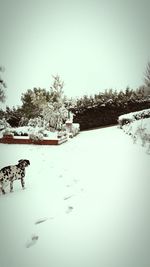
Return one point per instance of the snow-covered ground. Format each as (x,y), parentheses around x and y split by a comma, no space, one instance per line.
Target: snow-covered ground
(138,127)
(86,204)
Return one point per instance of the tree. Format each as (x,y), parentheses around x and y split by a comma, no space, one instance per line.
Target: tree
(53,108)
(2,114)
(140,92)
(30,107)
(147,75)
(13,116)
(2,87)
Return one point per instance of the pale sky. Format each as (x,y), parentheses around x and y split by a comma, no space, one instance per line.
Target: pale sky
(93,45)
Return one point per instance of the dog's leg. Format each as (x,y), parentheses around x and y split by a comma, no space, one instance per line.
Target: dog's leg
(11,186)
(22,183)
(3,191)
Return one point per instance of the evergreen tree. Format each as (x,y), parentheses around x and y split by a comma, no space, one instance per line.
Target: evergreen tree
(2,87)
(13,116)
(147,75)
(31,102)
(2,114)
(53,109)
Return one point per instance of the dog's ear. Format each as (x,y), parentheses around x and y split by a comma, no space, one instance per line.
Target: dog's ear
(24,161)
(27,161)
(20,160)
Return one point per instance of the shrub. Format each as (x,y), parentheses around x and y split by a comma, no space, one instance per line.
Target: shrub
(7,131)
(37,133)
(4,124)
(130,117)
(38,122)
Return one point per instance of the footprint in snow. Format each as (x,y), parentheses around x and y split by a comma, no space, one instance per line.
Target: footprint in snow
(76,181)
(32,241)
(43,220)
(70,208)
(66,198)
(68,185)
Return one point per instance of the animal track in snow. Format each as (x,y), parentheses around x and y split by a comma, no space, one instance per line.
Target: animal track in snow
(66,198)
(76,181)
(70,208)
(68,185)
(43,220)
(33,241)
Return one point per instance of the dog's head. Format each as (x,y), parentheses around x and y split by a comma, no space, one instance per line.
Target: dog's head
(24,162)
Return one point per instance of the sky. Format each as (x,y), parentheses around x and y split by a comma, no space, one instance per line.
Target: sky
(93,45)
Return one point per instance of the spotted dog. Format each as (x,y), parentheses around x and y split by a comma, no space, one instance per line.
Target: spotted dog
(15,172)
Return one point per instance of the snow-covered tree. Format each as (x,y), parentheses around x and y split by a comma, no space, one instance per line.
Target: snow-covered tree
(4,124)
(53,110)
(38,122)
(2,87)
(147,75)
(30,108)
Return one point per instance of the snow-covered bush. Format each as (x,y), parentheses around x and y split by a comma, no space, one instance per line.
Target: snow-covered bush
(4,124)
(143,134)
(72,128)
(53,110)
(36,136)
(141,130)
(130,117)
(38,122)
(7,131)
(35,133)
(138,129)
(21,131)
(38,133)
(62,133)
(75,129)
(23,121)
(38,128)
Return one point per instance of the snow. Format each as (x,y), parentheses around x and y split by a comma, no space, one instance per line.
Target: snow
(31,130)
(86,204)
(139,130)
(135,115)
(133,127)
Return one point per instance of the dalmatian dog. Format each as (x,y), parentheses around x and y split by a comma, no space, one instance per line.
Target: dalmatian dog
(14,172)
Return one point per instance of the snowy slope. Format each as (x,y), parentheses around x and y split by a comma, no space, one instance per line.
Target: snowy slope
(86,204)
(138,127)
